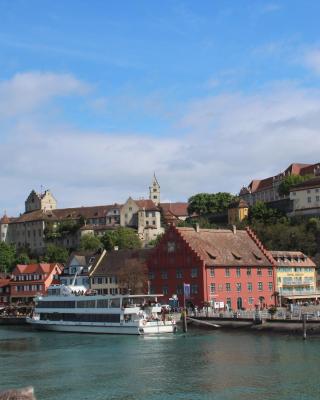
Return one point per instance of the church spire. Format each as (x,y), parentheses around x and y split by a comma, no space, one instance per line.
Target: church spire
(154,190)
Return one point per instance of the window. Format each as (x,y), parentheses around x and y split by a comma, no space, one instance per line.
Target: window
(179,289)
(309,199)
(238,285)
(317,198)
(249,271)
(212,272)
(270,286)
(260,286)
(212,288)
(151,275)
(259,271)
(194,289)
(194,272)
(228,302)
(249,286)
(270,271)
(153,214)
(179,274)
(238,272)
(153,222)
(165,290)
(228,287)
(130,208)
(171,246)
(250,300)
(164,275)
(227,271)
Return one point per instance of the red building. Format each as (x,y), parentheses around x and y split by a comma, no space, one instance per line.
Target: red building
(226,268)
(33,279)
(4,291)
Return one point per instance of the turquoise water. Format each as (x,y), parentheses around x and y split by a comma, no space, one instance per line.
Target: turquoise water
(199,365)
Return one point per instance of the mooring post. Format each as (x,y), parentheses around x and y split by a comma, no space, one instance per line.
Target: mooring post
(304,323)
(184,320)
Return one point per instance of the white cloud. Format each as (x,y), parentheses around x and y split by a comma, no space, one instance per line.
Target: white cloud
(312,60)
(27,91)
(217,143)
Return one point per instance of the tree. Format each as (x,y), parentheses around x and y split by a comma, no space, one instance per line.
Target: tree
(55,254)
(209,203)
(90,242)
(156,240)
(124,238)
(260,212)
(133,276)
(22,258)
(7,257)
(289,181)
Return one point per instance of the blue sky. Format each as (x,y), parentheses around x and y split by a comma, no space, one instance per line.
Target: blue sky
(97,95)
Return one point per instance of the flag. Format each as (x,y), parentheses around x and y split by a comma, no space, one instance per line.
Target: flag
(186,290)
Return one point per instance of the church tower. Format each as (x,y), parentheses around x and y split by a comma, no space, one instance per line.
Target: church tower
(154,191)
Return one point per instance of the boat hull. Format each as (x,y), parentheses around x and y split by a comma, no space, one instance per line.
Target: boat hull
(124,329)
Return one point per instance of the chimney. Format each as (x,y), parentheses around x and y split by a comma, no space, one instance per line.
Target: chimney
(197,228)
(116,248)
(234,229)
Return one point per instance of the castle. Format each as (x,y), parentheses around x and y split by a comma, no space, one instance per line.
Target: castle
(42,222)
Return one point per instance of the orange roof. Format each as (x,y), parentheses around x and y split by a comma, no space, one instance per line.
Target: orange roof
(4,282)
(35,268)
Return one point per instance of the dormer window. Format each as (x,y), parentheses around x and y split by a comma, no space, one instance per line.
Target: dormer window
(257,257)
(236,256)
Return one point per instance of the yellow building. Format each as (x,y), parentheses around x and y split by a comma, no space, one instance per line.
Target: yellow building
(295,276)
(237,211)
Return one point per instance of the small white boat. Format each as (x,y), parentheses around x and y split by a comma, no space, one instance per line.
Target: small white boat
(68,311)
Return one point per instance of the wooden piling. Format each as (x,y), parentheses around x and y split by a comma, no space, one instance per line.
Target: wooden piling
(304,324)
(184,320)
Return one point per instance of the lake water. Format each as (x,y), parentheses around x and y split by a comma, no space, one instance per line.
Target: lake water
(198,365)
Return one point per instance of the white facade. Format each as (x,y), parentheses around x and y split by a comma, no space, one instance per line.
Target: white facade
(306,201)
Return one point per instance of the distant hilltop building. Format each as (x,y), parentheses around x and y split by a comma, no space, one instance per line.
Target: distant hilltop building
(42,222)
(266,190)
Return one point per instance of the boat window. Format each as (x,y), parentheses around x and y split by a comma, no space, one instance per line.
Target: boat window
(56,304)
(115,303)
(81,317)
(103,303)
(86,304)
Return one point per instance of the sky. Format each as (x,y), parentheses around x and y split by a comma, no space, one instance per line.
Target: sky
(96,96)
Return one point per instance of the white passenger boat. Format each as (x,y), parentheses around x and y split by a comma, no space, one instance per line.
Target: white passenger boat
(67,310)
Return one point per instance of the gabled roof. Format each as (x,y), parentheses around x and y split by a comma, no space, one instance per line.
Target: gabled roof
(222,247)
(147,205)
(83,257)
(179,209)
(112,261)
(41,268)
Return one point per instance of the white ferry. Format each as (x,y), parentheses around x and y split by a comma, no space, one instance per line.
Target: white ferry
(67,310)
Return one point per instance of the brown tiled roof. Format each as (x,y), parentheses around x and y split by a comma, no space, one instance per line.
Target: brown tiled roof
(309,184)
(219,247)
(293,169)
(292,259)
(112,261)
(148,205)
(176,209)
(5,219)
(66,213)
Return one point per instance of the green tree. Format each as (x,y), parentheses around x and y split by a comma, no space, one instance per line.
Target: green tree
(124,238)
(90,242)
(22,258)
(156,240)
(260,212)
(55,254)
(289,181)
(7,257)
(209,203)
